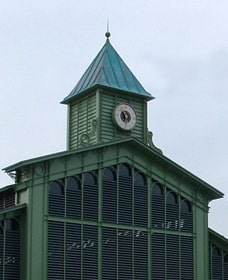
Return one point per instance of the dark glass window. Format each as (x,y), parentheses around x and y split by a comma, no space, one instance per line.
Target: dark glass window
(186,218)
(90,196)
(125,195)
(157,189)
(171,198)
(73,197)
(172,211)
(109,196)
(140,200)
(109,174)
(158,206)
(216,263)
(125,170)
(56,188)
(186,206)
(56,198)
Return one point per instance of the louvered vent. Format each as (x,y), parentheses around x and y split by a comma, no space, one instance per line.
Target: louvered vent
(73,251)
(140,255)
(73,198)
(109,254)
(172,256)
(172,211)
(7,199)
(216,263)
(158,206)
(186,221)
(90,197)
(226,266)
(109,196)
(125,254)
(55,250)
(1,249)
(187,263)
(140,200)
(158,256)
(12,250)
(56,199)
(125,195)
(90,252)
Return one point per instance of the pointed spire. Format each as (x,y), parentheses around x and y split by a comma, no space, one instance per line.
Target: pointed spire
(107,34)
(108,70)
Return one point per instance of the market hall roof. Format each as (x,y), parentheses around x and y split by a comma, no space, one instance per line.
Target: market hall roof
(108,70)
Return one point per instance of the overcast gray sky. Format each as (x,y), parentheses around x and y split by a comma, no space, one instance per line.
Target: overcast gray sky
(177,49)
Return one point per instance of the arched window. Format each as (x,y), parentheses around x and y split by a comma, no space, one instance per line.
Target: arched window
(216,251)
(73,197)
(172,211)
(140,200)
(109,174)
(109,207)
(171,198)
(90,196)
(125,170)
(217,260)
(157,189)
(158,206)
(56,198)
(125,193)
(73,184)
(186,217)
(140,179)
(186,206)
(90,179)
(56,188)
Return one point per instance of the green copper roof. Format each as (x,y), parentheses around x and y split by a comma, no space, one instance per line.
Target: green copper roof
(110,71)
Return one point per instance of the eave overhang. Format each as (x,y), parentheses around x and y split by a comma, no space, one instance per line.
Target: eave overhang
(218,239)
(133,144)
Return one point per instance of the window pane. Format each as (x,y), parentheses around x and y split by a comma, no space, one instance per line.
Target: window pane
(140,200)
(109,196)
(90,197)
(56,199)
(73,198)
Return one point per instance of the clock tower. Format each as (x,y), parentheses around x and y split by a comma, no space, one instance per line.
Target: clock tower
(107,103)
(111,206)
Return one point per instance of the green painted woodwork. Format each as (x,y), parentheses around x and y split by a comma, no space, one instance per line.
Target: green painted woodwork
(91,119)
(82,116)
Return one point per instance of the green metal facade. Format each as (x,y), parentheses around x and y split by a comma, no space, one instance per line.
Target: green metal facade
(112,206)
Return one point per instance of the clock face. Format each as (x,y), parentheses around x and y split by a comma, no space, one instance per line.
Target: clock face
(125,116)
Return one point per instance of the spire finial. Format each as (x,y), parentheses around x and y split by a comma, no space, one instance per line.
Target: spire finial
(107,34)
